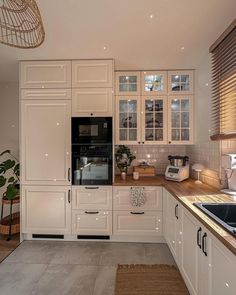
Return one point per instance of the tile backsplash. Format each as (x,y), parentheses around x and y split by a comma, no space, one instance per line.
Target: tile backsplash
(156,156)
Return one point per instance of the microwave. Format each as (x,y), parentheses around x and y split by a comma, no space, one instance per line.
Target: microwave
(91,130)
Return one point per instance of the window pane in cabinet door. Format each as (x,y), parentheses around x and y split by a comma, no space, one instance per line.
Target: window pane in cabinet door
(153,83)
(184,79)
(175,105)
(133,134)
(159,135)
(123,117)
(149,119)
(158,120)
(149,105)
(132,87)
(185,134)
(175,134)
(149,134)
(185,87)
(184,105)
(158,105)
(123,106)
(123,134)
(132,106)
(184,119)
(175,120)
(124,87)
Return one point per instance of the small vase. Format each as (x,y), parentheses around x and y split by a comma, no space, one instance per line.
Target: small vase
(123,175)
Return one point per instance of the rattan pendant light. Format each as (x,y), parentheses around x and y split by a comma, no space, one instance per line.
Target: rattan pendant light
(21,24)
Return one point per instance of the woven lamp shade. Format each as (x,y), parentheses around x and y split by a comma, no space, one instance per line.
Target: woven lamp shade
(21,24)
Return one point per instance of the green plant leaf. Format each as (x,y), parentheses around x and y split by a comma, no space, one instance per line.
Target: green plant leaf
(17,169)
(2,181)
(11,179)
(11,192)
(5,152)
(8,164)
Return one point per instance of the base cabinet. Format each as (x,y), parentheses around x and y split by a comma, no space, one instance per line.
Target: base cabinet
(46,209)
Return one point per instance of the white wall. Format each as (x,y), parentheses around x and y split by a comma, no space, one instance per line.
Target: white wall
(9,121)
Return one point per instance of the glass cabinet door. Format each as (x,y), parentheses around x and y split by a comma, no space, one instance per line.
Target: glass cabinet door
(128,120)
(127,83)
(154,83)
(180,120)
(180,82)
(154,120)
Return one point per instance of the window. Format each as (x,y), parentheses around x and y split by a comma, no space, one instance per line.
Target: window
(224,85)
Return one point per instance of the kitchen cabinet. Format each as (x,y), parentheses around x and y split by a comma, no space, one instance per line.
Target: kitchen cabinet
(223,269)
(97,102)
(45,94)
(154,83)
(45,142)
(180,82)
(173,224)
(127,83)
(180,120)
(45,74)
(144,220)
(92,73)
(92,210)
(46,209)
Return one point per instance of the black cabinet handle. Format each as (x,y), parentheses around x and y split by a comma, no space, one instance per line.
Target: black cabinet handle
(199,237)
(204,244)
(91,187)
(91,212)
(137,213)
(176,211)
(69,196)
(69,174)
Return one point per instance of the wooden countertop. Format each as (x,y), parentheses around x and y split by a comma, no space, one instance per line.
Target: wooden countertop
(187,192)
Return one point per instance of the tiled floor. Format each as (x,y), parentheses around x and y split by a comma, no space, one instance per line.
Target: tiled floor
(78,268)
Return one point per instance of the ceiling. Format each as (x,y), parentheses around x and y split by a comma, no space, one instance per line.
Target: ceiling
(138,34)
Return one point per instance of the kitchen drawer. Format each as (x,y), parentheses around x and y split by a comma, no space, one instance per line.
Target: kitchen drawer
(121,198)
(137,222)
(91,222)
(92,197)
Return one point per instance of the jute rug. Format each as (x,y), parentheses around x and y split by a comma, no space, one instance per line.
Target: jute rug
(143,279)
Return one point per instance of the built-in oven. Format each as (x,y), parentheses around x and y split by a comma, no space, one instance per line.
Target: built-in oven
(92,151)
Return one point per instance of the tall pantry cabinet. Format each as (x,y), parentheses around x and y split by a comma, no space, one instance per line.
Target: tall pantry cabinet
(45,112)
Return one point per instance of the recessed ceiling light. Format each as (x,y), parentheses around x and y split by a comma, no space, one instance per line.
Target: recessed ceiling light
(151,16)
(182,48)
(104,48)
(207,84)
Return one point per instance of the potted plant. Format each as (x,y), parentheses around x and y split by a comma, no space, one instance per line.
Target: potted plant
(9,176)
(123,157)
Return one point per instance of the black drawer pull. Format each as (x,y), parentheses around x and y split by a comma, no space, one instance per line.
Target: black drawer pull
(69,174)
(204,244)
(69,198)
(199,237)
(91,212)
(91,187)
(176,211)
(138,213)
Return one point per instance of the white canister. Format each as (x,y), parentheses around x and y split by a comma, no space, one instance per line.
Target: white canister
(135,175)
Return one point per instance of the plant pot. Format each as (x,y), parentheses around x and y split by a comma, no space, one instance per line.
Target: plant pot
(15,226)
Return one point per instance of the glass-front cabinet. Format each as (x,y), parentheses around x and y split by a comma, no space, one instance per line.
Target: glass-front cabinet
(128,120)
(180,117)
(154,121)
(180,82)
(154,82)
(127,83)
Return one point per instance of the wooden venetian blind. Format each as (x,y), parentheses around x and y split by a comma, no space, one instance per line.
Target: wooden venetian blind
(224,85)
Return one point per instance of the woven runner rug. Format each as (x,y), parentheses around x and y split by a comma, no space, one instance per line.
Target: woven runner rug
(144,279)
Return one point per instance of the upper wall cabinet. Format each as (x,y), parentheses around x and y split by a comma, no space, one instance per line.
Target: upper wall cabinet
(127,83)
(92,102)
(180,82)
(45,74)
(92,73)
(154,83)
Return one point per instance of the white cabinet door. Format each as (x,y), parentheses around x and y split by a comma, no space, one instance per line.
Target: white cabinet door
(96,102)
(35,94)
(45,74)
(91,222)
(189,265)
(92,73)
(154,119)
(180,82)
(154,83)
(122,198)
(127,83)
(137,222)
(46,210)
(180,119)
(45,142)
(92,197)
(223,270)
(128,120)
